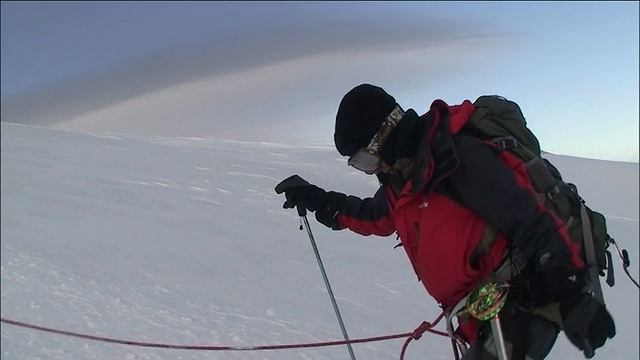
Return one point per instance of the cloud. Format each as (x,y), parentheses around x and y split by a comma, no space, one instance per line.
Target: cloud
(263,75)
(291,101)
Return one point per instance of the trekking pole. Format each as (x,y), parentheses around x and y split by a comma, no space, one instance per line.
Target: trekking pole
(303,215)
(485,303)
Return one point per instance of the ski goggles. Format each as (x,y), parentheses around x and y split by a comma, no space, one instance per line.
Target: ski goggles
(367,159)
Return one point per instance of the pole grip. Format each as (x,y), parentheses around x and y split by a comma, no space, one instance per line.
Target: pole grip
(302,211)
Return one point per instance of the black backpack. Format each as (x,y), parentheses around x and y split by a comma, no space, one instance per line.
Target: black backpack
(501,121)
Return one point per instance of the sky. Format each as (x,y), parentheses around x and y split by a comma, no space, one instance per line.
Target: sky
(276,71)
(183,241)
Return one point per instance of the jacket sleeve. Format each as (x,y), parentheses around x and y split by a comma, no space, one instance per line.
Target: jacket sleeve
(369,216)
(494,185)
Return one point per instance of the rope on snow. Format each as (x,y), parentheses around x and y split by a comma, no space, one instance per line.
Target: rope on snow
(414,335)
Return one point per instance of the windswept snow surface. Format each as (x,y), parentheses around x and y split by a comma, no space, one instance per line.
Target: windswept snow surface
(184,241)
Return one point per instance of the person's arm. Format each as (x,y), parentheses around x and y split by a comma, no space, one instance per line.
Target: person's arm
(369,216)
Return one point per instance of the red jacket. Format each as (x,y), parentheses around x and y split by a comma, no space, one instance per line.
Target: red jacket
(438,233)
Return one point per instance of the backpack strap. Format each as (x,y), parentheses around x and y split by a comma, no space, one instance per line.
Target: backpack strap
(590,254)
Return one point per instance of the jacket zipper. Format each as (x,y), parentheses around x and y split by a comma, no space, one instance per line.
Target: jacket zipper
(416,230)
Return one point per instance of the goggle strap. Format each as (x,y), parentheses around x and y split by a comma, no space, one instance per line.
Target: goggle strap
(389,124)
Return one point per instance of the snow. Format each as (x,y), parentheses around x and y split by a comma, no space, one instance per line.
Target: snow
(184,241)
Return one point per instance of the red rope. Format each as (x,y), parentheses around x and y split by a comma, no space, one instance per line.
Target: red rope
(416,334)
(421,329)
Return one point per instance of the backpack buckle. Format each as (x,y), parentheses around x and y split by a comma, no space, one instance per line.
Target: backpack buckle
(505,142)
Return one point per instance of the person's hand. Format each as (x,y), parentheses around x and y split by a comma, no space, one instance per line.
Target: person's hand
(299,193)
(586,322)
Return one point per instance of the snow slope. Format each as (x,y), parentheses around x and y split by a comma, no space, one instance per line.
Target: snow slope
(183,241)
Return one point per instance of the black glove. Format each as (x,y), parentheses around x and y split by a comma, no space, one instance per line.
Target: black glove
(299,193)
(586,322)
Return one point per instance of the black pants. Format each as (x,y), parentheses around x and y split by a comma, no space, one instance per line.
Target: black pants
(540,336)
